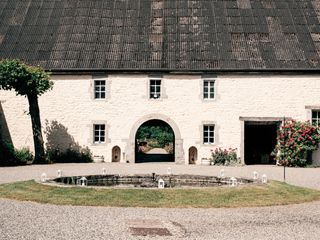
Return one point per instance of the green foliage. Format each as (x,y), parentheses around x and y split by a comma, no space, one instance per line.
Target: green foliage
(295,141)
(224,156)
(24,79)
(9,156)
(83,155)
(31,82)
(163,135)
(164,138)
(23,155)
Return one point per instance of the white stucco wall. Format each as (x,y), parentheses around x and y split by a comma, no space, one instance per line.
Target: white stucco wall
(70,103)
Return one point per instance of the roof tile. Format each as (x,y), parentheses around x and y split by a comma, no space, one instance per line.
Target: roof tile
(157,34)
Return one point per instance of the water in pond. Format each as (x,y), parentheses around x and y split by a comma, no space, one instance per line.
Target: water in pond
(149,180)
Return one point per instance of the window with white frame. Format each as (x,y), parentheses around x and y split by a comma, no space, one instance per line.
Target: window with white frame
(208,89)
(100,89)
(208,134)
(316,117)
(99,133)
(155,88)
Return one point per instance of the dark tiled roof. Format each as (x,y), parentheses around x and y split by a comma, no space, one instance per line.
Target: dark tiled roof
(162,34)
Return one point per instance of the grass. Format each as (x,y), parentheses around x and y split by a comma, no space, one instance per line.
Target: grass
(274,193)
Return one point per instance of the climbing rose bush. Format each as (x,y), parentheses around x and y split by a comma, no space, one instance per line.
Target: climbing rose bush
(221,156)
(294,141)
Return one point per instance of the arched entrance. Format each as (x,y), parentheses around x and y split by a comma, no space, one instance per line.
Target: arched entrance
(154,142)
(178,143)
(193,155)
(116,154)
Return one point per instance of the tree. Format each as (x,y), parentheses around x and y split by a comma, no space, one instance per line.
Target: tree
(31,82)
(162,134)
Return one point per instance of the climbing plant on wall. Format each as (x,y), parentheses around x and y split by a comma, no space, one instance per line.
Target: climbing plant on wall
(295,141)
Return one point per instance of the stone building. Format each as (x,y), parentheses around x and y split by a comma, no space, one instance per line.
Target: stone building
(220,73)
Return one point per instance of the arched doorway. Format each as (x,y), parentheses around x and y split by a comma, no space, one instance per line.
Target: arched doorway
(154,142)
(178,142)
(193,155)
(116,154)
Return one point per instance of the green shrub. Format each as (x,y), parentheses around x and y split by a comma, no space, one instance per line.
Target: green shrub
(83,155)
(221,156)
(9,156)
(295,142)
(23,155)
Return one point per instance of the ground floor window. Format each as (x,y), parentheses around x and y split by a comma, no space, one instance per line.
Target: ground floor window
(316,117)
(208,134)
(99,133)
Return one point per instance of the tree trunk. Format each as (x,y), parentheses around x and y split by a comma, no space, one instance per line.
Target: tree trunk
(36,129)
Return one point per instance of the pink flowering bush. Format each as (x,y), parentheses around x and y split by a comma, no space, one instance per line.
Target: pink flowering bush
(221,156)
(295,141)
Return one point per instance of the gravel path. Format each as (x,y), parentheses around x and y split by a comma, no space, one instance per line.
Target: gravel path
(26,220)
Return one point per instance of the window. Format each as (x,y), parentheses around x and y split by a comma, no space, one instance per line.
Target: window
(155,88)
(208,89)
(99,89)
(208,134)
(99,133)
(316,117)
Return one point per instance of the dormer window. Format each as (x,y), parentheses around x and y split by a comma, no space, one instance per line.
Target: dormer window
(155,88)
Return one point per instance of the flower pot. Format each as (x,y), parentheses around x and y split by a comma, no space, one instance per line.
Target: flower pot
(205,161)
(98,159)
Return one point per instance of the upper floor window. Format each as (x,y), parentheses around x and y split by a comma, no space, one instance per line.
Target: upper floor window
(208,134)
(316,117)
(155,88)
(99,89)
(208,89)
(99,133)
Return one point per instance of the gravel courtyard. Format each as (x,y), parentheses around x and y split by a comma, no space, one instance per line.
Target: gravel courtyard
(26,220)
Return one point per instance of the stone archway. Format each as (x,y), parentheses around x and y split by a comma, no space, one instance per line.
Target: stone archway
(154,142)
(178,142)
(116,154)
(193,155)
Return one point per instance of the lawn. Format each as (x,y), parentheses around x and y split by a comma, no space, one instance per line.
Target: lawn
(273,193)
